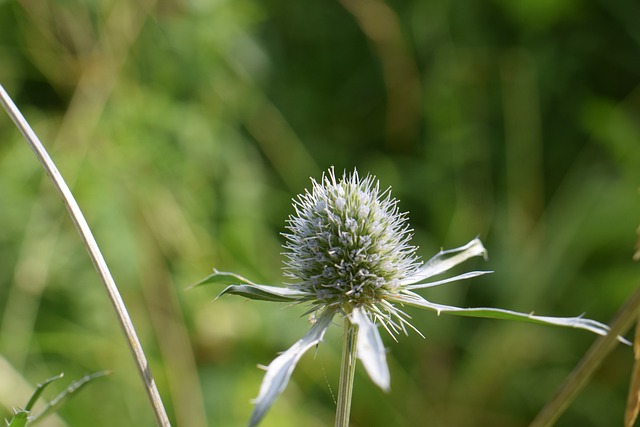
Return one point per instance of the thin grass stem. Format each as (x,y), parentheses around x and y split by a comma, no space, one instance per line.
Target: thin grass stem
(594,357)
(94,252)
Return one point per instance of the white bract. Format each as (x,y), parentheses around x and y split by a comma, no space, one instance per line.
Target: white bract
(348,253)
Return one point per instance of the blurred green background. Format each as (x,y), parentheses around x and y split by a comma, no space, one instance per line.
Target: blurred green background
(186,127)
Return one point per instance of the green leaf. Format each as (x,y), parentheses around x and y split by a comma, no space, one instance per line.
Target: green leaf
(21,416)
(60,399)
(19,419)
(39,389)
(264,293)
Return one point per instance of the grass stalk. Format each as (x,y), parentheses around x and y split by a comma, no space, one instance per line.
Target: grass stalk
(94,252)
(594,357)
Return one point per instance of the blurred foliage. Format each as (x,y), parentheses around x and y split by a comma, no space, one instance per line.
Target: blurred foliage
(186,127)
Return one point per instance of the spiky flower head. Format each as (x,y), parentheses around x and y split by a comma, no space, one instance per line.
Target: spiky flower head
(348,244)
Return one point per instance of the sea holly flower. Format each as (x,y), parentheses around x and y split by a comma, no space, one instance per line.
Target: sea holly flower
(348,254)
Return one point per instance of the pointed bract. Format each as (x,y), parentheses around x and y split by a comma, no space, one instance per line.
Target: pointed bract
(463,276)
(371,351)
(264,293)
(279,371)
(498,313)
(221,277)
(446,260)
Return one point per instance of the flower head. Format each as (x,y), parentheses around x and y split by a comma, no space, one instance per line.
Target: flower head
(348,244)
(348,253)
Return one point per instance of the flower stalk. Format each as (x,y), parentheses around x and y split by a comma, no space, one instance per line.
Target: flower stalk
(347,373)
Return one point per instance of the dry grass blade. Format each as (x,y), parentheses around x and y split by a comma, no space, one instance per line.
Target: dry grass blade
(589,363)
(94,252)
(636,255)
(633,400)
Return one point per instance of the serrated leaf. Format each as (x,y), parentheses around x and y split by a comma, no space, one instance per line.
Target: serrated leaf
(19,419)
(280,369)
(61,398)
(411,298)
(370,349)
(264,293)
(39,389)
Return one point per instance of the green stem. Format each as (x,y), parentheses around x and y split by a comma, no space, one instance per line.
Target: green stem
(347,373)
